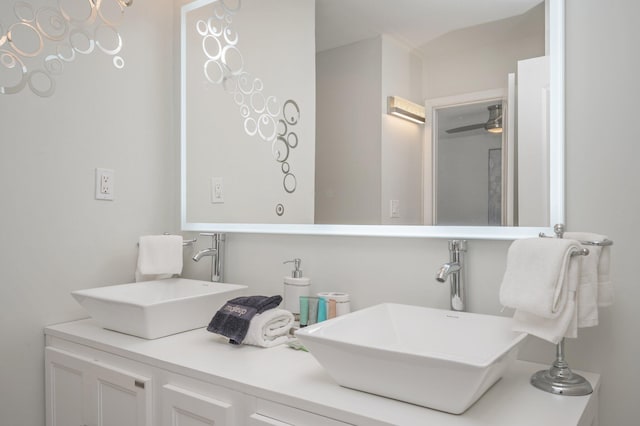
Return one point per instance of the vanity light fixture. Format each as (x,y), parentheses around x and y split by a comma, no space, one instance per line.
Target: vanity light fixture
(403,108)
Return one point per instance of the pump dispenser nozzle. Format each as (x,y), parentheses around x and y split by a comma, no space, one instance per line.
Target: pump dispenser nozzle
(297,272)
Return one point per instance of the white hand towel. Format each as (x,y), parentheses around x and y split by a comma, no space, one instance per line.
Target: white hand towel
(593,283)
(535,278)
(540,282)
(605,286)
(270,328)
(603,256)
(554,329)
(159,256)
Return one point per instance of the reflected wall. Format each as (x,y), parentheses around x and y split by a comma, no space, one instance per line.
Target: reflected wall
(248,111)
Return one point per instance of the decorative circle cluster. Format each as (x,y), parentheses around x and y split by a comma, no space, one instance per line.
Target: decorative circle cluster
(58,35)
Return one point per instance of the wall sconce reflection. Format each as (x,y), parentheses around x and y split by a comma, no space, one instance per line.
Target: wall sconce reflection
(35,48)
(403,108)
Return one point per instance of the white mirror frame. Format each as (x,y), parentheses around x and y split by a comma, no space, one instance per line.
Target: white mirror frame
(556,166)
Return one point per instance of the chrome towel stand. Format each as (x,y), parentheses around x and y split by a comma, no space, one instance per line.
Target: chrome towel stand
(559,379)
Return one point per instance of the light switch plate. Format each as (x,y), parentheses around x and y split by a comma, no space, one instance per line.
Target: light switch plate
(394,209)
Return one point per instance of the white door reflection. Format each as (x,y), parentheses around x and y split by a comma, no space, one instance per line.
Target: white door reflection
(468,164)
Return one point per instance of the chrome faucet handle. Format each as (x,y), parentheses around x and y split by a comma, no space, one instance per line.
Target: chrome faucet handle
(457,245)
(215,235)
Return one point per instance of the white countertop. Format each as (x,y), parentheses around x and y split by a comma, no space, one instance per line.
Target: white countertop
(295,378)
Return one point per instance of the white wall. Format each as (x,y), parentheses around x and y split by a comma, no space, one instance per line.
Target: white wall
(56,237)
(603,183)
(479,58)
(402,141)
(56,242)
(348,162)
(364,157)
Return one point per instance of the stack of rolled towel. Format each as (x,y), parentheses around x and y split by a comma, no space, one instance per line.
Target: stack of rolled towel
(553,291)
(253,320)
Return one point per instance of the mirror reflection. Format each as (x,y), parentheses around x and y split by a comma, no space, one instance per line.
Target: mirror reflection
(468,172)
(452,67)
(355,163)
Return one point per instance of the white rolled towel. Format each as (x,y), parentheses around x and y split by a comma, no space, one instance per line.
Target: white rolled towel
(270,328)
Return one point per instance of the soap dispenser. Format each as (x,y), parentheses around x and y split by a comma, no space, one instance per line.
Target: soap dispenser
(295,286)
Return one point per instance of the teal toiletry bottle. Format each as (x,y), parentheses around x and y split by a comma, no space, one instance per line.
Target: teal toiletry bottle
(304,311)
(322,309)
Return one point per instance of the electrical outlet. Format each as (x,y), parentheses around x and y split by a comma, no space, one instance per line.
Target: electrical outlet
(105,184)
(217,190)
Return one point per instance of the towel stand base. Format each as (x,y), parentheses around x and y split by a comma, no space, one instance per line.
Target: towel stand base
(559,379)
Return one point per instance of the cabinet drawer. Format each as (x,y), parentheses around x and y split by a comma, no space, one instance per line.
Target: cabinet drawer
(186,401)
(268,413)
(182,406)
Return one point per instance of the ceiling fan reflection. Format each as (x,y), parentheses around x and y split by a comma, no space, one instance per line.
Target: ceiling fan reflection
(492,125)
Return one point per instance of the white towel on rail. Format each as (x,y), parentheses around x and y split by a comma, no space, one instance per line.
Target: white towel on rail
(594,285)
(540,283)
(605,286)
(159,256)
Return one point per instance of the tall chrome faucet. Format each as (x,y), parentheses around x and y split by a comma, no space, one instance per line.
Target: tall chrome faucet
(216,251)
(455,270)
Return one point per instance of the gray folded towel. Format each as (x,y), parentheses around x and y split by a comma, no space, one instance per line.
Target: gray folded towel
(234,318)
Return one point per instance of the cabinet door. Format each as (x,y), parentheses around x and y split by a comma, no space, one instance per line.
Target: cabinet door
(183,407)
(120,398)
(65,390)
(85,392)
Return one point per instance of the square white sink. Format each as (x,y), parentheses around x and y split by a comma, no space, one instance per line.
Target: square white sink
(152,309)
(430,357)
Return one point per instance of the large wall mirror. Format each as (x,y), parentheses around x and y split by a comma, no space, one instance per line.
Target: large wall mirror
(286,123)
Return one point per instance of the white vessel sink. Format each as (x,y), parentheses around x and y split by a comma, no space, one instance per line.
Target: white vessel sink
(430,357)
(153,309)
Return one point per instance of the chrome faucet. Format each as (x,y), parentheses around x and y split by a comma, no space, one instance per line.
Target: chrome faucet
(216,251)
(454,270)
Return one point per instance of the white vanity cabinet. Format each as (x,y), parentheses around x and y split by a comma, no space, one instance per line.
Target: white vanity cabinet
(100,377)
(85,392)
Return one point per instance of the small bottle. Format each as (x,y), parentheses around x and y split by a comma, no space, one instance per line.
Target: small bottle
(304,311)
(338,303)
(295,286)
